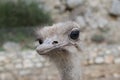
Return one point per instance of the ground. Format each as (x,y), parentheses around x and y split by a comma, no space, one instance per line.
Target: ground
(98,63)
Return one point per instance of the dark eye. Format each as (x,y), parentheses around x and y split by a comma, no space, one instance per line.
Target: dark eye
(40,41)
(74,34)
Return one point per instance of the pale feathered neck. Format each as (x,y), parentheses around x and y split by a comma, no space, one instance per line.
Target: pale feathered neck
(67,64)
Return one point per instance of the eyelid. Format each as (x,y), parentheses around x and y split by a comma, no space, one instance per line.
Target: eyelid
(68,31)
(74,29)
(38,39)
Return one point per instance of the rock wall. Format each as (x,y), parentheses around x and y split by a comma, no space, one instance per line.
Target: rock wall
(89,14)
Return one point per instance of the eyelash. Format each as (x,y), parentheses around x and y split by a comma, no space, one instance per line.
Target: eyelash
(40,41)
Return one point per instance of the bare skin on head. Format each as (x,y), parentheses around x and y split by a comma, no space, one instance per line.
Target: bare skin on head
(60,42)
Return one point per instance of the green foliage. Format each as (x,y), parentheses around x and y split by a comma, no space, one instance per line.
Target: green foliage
(22,35)
(20,13)
(1,49)
(98,38)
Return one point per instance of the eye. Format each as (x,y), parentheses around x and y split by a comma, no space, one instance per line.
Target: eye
(74,34)
(40,41)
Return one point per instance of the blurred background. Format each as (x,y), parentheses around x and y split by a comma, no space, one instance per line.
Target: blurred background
(100,25)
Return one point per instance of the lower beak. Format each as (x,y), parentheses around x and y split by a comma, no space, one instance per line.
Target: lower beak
(42,49)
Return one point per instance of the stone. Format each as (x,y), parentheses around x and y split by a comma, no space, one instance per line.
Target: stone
(99,60)
(9,66)
(74,3)
(2,53)
(109,59)
(24,72)
(7,76)
(11,47)
(39,65)
(90,61)
(28,64)
(2,76)
(61,17)
(94,3)
(29,54)
(108,52)
(51,5)
(42,59)
(2,68)
(102,22)
(85,63)
(116,75)
(119,48)
(3,58)
(93,54)
(18,60)
(47,64)
(115,9)
(97,74)
(12,55)
(36,60)
(18,66)
(92,22)
(1,63)
(81,21)
(117,61)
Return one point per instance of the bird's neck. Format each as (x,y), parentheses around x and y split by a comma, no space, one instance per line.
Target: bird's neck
(68,66)
(70,70)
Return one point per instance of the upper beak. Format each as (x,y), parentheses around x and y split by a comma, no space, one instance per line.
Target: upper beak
(42,49)
(45,47)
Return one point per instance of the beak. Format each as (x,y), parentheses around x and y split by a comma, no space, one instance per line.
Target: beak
(49,45)
(45,47)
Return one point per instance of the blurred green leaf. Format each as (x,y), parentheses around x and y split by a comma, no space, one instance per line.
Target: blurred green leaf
(17,14)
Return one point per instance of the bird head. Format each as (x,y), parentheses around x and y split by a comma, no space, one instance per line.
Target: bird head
(58,37)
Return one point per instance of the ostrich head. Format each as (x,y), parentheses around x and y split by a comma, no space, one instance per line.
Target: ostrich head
(57,38)
(60,42)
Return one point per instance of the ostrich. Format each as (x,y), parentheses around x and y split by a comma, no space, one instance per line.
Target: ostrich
(60,43)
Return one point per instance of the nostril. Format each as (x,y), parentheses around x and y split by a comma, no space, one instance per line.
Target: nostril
(55,42)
